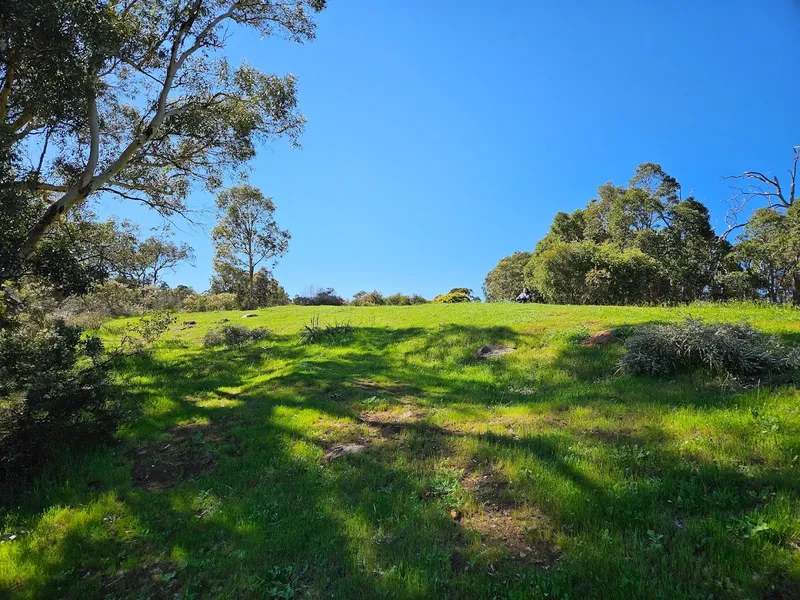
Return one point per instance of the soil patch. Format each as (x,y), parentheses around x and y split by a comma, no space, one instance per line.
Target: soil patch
(522,534)
(163,465)
(490,490)
(492,351)
(157,581)
(601,338)
(378,388)
(503,523)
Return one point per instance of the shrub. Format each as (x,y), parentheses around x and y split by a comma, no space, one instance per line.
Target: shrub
(456,295)
(374,298)
(314,333)
(210,302)
(55,388)
(507,279)
(234,336)
(114,299)
(403,300)
(53,392)
(722,348)
(324,297)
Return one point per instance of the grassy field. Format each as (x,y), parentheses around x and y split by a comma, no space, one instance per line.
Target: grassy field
(392,463)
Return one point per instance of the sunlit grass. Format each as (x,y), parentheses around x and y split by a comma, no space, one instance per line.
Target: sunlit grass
(621,487)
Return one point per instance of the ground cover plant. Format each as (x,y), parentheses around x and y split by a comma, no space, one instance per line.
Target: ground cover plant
(401,462)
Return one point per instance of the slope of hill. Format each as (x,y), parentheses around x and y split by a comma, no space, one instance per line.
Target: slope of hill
(396,460)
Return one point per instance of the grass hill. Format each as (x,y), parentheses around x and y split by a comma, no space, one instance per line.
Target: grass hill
(390,461)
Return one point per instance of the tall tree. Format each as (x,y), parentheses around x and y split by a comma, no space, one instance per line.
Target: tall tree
(134,98)
(156,254)
(246,234)
(770,249)
(506,280)
(764,188)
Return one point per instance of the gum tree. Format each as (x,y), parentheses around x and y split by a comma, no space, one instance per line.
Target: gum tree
(134,99)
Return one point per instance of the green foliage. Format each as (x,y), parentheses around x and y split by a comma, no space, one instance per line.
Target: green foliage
(234,336)
(180,114)
(506,280)
(54,393)
(114,299)
(314,333)
(323,297)
(373,298)
(403,300)
(246,236)
(455,296)
(265,291)
(634,244)
(721,348)
(210,302)
(770,251)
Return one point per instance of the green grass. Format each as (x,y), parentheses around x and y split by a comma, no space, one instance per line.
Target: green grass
(611,486)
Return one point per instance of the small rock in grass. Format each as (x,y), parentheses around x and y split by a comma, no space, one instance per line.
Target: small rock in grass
(248,315)
(492,351)
(340,450)
(190,322)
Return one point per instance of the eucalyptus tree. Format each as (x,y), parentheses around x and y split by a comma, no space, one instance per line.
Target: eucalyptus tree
(247,235)
(134,99)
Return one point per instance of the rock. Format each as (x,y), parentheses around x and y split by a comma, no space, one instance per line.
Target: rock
(340,450)
(492,351)
(190,323)
(248,315)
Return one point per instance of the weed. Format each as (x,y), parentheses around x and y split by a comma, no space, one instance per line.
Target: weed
(314,333)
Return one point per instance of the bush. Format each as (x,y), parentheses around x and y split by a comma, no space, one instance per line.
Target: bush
(55,388)
(324,297)
(234,336)
(53,392)
(114,299)
(456,295)
(316,334)
(403,300)
(374,298)
(210,302)
(721,348)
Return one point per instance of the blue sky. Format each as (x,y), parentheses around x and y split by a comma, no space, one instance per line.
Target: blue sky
(443,135)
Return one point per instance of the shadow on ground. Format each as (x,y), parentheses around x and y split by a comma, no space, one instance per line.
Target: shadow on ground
(551,451)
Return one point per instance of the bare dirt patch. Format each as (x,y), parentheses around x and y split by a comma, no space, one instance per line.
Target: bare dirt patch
(522,534)
(156,580)
(390,423)
(600,338)
(490,489)
(163,465)
(379,388)
(503,523)
(492,351)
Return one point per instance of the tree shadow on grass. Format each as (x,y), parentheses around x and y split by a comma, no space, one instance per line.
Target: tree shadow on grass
(636,515)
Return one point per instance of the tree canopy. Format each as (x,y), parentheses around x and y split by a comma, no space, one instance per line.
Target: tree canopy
(133,99)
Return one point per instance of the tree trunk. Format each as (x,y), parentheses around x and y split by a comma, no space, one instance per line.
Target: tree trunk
(796,290)
(250,283)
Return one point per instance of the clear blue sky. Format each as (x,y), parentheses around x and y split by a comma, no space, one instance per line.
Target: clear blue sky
(444,135)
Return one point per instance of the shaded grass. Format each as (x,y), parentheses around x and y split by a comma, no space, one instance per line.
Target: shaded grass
(622,487)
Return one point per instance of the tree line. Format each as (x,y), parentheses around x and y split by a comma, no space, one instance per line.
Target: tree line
(642,243)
